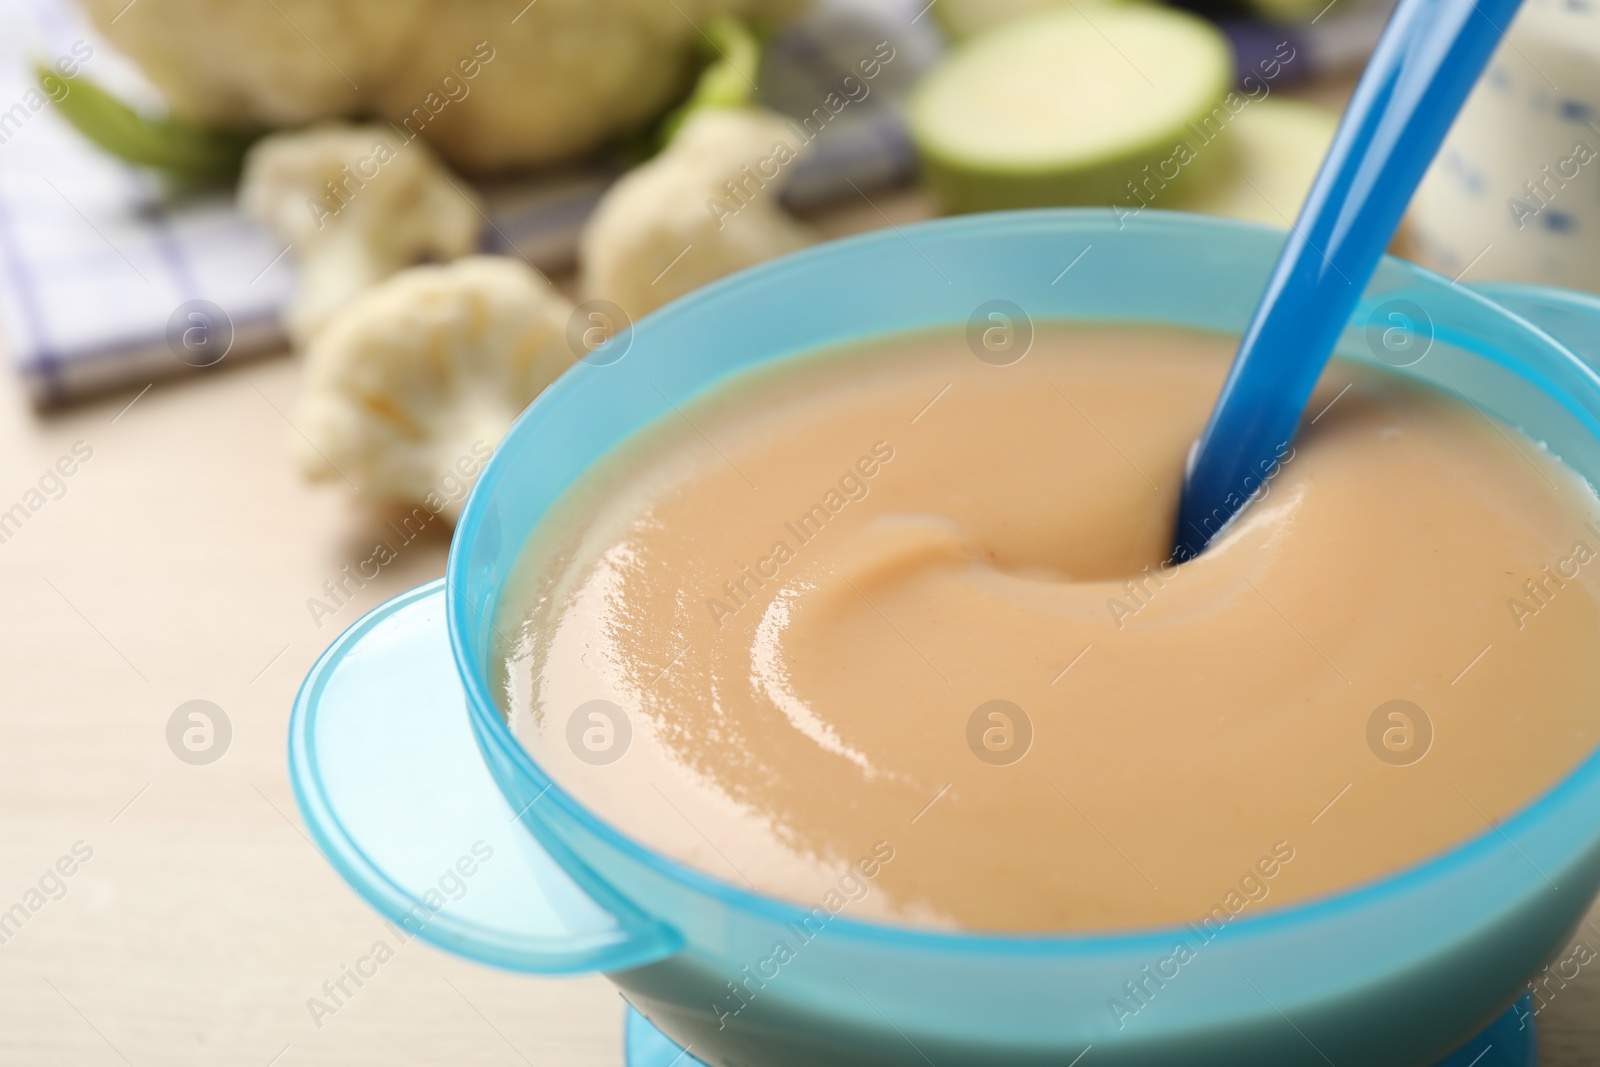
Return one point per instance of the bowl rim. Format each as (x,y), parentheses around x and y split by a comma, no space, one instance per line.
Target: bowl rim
(494,732)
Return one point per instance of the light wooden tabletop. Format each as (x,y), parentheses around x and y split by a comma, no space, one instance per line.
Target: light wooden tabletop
(176,566)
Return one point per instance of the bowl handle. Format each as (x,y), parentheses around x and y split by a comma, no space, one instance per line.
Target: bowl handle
(396,795)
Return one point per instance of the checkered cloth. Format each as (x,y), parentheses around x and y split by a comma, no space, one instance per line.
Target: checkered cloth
(101,265)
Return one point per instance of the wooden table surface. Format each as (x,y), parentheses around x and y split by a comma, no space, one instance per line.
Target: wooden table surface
(176,566)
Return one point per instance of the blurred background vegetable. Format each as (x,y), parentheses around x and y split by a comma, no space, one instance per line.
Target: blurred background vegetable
(493,85)
(708,205)
(357,204)
(1056,107)
(185,149)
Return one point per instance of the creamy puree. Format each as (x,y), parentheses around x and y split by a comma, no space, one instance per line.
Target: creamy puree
(801,588)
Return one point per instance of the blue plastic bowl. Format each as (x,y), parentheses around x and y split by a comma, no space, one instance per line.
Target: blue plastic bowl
(1403,970)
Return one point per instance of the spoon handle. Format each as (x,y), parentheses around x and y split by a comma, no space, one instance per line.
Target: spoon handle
(1426,63)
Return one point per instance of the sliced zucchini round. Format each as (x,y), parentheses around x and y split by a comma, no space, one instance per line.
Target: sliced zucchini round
(1277,147)
(1081,105)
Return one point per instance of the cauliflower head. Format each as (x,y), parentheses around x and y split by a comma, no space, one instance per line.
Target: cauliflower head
(705,207)
(493,84)
(427,368)
(357,204)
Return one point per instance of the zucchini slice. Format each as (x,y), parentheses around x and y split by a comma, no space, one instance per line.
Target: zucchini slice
(1277,147)
(1089,104)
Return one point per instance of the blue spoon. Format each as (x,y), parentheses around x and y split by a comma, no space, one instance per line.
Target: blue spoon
(1426,63)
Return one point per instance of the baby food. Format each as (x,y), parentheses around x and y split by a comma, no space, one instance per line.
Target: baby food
(891,630)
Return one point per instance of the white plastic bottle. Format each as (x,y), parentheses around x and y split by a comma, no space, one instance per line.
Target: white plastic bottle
(1515,192)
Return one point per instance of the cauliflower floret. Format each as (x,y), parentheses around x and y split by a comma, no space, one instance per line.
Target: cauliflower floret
(493,84)
(357,203)
(425,369)
(705,207)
